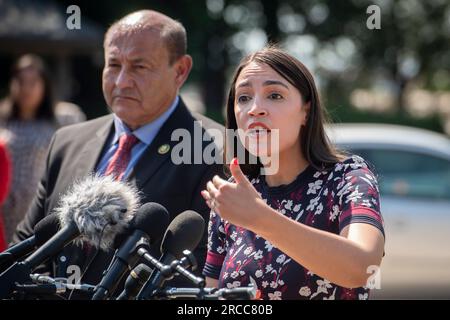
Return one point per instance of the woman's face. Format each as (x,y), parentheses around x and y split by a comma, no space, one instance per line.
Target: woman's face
(28,90)
(265,101)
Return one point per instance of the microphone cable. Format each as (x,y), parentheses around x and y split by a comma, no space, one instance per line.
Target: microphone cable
(92,259)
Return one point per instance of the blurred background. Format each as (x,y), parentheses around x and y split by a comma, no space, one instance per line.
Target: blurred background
(397,75)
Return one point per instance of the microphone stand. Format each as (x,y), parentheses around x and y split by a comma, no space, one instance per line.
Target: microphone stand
(241,293)
(47,287)
(167,272)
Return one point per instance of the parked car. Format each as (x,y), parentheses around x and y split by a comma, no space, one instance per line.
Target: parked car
(413,168)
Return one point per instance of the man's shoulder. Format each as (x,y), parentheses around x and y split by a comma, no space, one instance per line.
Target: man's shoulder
(86,127)
(76,135)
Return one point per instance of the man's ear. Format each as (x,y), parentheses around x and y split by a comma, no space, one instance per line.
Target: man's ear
(182,68)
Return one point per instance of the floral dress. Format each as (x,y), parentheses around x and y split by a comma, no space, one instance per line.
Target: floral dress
(328,200)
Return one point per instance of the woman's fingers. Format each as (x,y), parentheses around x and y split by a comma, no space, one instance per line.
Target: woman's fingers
(208,199)
(205,195)
(211,189)
(217,181)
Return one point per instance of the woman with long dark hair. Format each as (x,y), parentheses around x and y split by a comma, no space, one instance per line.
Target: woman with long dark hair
(310,230)
(27,124)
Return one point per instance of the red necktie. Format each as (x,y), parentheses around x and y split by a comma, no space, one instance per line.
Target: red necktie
(117,166)
(121,158)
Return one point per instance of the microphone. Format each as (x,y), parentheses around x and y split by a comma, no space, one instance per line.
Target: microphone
(43,231)
(150,221)
(59,285)
(176,267)
(97,207)
(184,232)
(140,274)
(137,278)
(20,271)
(101,207)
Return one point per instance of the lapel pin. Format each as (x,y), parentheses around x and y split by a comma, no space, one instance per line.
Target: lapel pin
(163,149)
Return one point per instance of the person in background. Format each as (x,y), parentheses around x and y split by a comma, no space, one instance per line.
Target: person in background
(5,177)
(27,123)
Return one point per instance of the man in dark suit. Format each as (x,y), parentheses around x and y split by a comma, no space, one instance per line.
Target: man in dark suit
(145,66)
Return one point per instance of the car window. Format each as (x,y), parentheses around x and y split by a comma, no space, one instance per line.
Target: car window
(409,174)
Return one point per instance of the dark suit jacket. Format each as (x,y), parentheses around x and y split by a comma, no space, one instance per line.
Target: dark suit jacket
(75,151)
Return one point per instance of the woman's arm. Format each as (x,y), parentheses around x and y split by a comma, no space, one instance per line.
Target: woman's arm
(211,283)
(342,259)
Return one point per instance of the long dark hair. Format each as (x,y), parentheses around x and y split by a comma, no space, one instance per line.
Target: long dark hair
(45,111)
(315,145)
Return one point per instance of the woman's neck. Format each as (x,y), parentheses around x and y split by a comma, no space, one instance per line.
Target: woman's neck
(27,115)
(291,164)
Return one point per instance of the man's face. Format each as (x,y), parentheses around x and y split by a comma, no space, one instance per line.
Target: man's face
(138,82)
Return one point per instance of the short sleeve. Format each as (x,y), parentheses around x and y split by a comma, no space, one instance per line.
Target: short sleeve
(358,194)
(216,246)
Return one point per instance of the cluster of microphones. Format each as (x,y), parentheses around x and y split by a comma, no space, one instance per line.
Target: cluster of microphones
(100,208)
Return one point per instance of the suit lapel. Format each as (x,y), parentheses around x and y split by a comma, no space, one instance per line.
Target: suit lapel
(92,150)
(152,159)
(90,155)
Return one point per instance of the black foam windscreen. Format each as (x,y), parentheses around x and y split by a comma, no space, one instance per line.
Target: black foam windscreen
(184,232)
(142,272)
(46,228)
(153,219)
